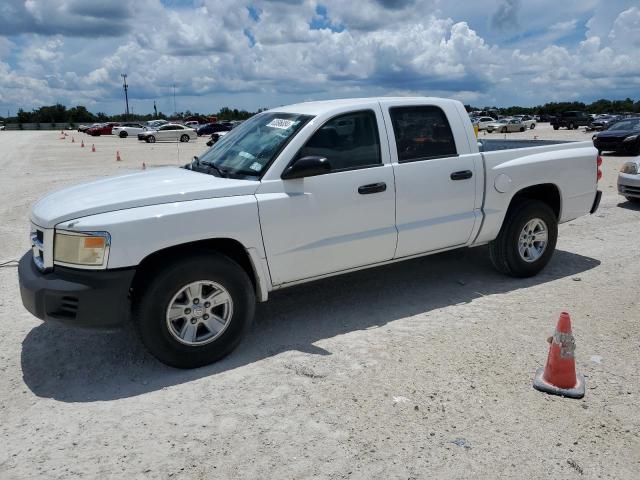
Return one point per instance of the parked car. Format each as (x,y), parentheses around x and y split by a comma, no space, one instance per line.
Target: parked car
(528,121)
(602,122)
(84,128)
(629,180)
(169,132)
(153,124)
(215,137)
(186,252)
(571,120)
(102,129)
(192,124)
(482,122)
(126,129)
(622,136)
(209,128)
(546,118)
(2,127)
(506,125)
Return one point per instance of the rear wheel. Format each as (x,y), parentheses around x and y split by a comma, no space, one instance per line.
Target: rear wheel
(194,310)
(556,127)
(151,139)
(184,138)
(526,240)
(522,129)
(503,130)
(123,134)
(533,125)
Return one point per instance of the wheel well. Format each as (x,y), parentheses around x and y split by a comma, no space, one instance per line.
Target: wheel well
(546,193)
(227,246)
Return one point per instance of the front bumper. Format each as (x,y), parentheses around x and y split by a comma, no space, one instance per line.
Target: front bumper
(609,144)
(629,185)
(82,298)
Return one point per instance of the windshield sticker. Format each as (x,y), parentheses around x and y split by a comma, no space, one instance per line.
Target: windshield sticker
(255,166)
(281,123)
(246,155)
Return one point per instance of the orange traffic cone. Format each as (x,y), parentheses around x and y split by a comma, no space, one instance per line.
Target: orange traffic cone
(559,377)
(93,147)
(118,159)
(82,144)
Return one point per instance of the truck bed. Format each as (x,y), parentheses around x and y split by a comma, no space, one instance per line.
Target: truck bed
(498,144)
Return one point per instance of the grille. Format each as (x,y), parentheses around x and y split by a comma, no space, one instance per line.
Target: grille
(42,247)
(628,189)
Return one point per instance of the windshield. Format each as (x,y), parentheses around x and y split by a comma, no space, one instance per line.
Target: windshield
(250,147)
(631,124)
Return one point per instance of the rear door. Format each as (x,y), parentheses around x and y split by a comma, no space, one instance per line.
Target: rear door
(435,176)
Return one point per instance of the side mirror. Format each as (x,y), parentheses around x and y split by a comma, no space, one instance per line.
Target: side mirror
(307,167)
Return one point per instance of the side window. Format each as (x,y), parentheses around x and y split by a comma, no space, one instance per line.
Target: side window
(422,133)
(349,141)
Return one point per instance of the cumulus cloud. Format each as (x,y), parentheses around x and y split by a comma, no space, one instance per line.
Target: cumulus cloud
(269,52)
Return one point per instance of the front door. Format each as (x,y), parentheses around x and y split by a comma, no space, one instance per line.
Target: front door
(340,220)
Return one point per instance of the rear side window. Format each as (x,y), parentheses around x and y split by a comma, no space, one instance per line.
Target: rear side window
(349,141)
(422,133)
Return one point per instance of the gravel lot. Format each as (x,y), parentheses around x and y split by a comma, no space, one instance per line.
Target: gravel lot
(421,369)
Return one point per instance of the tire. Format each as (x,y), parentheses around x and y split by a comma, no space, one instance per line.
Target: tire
(184,138)
(533,125)
(504,250)
(633,150)
(151,139)
(571,126)
(151,306)
(556,127)
(522,129)
(124,134)
(633,199)
(503,130)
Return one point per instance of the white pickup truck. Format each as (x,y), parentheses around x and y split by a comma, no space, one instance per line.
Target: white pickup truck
(292,195)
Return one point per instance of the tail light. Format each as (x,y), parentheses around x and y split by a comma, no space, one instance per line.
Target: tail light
(599,164)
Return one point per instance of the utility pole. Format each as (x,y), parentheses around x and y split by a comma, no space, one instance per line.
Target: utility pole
(155,110)
(175,110)
(126,95)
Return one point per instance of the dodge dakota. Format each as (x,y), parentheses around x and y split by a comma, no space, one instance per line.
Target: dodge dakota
(292,195)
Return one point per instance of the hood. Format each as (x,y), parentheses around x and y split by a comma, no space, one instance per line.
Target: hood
(151,187)
(618,133)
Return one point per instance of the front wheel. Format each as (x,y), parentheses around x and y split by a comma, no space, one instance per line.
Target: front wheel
(123,134)
(526,240)
(184,138)
(556,127)
(522,129)
(151,139)
(533,125)
(504,130)
(194,310)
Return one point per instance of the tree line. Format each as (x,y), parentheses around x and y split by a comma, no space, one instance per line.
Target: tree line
(61,114)
(555,108)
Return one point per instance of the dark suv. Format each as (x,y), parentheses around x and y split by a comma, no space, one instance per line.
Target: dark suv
(571,120)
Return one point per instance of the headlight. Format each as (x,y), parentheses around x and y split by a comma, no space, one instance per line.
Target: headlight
(90,249)
(630,168)
(632,138)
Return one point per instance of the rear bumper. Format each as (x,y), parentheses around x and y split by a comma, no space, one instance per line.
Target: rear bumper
(82,298)
(629,185)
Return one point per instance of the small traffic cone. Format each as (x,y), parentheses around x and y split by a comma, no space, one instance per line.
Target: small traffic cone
(559,377)
(73,140)
(93,147)
(118,159)
(82,144)
(144,166)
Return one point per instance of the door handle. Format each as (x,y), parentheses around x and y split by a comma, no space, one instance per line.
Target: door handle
(372,188)
(462,175)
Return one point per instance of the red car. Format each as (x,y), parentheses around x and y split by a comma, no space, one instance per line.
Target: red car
(102,129)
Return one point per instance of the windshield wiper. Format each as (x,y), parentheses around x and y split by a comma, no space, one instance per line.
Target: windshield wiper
(206,167)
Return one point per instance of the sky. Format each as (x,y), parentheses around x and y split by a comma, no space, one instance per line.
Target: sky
(265,53)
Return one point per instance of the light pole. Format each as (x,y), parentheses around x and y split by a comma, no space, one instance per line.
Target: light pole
(126,95)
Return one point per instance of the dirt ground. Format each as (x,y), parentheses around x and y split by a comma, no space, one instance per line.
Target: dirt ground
(421,369)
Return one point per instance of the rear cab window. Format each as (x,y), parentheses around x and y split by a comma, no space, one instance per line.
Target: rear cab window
(422,133)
